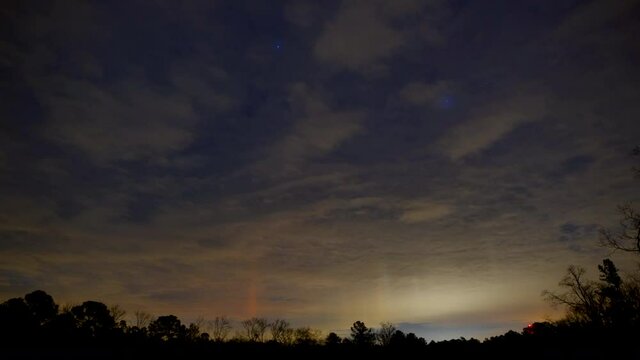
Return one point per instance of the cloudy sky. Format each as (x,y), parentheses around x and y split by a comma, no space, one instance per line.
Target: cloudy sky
(436,164)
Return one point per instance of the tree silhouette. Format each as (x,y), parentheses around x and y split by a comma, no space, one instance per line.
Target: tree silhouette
(361,334)
(118,314)
(332,339)
(385,333)
(255,328)
(610,303)
(142,319)
(412,340)
(306,336)
(192,332)
(220,328)
(581,297)
(16,320)
(93,319)
(281,331)
(167,328)
(627,236)
(42,306)
(398,339)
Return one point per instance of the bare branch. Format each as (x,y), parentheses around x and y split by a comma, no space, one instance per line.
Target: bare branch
(582,298)
(282,332)
(142,319)
(255,328)
(220,328)
(117,313)
(627,237)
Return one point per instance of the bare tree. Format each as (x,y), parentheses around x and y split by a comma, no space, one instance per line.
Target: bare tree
(200,322)
(255,328)
(306,336)
(609,303)
(582,297)
(220,328)
(197,328)
(385,333)
(627,238)
(281,331)
(117,313)
(142,319)
(66,308)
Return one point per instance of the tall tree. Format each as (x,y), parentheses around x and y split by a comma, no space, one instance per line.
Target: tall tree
(580,297)
(385,333)
(361,334)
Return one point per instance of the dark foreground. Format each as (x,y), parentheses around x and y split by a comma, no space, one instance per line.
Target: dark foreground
(509,346)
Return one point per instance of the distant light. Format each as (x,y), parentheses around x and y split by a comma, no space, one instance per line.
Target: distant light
(277,45)
(530,325)
(446,102)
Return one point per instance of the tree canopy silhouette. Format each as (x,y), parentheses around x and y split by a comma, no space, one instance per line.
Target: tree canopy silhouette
(167,328)
(361,334)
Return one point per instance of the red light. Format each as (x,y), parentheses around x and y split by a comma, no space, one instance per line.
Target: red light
(530,325)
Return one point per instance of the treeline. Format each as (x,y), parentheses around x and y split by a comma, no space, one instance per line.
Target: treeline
(34,326)
(36,320)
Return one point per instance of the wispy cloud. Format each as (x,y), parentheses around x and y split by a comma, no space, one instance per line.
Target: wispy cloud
(129,121)
(363,34)
(358,37)
(417,212)
(487,126)
(316,131)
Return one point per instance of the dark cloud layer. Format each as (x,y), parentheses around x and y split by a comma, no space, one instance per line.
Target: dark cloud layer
(435,164)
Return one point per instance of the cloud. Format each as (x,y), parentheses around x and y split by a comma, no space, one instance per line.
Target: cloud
(301,12)
(129,121)
(490,125)
(203,85)
(420,93)
(417,212)
(572,231)
(363,34)
(586,21)
(317,130)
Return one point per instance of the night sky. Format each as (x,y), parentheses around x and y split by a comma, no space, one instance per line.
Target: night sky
(436,164)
